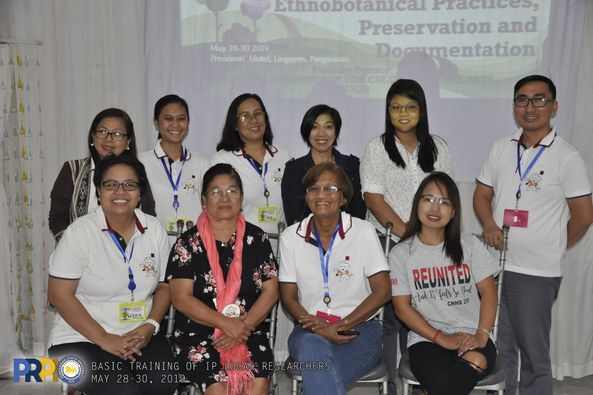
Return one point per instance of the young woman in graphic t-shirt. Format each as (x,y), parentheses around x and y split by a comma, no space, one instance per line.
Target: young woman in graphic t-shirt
(444,291)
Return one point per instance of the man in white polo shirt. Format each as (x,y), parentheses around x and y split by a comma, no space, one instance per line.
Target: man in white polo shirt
(536,183)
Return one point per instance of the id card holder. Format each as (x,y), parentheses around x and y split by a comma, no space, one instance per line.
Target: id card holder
(267,214)
(132,312)
(171,225)
(332,319)
(516,218)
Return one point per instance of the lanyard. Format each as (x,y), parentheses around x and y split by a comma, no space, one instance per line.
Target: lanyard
(175,185)
(523,175)
(262,175)
(131,283)
(324,260)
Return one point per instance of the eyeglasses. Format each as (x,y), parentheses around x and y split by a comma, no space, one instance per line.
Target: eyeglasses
(327,189)
(116,135)
(408,108)
(440,200)
(538,101)
(231,193)
(258,115)
(112,185)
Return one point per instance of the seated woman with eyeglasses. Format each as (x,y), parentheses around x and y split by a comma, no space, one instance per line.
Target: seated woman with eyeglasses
(333,281)
(107,284)
(222,275)
(73,193)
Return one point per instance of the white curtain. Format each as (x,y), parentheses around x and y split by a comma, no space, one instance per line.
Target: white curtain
(572,325)
(92,58)
(23,177)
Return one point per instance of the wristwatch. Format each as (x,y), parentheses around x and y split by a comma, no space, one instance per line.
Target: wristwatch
(156,325)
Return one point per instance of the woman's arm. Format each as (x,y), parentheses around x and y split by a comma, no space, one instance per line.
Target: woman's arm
(184,301)
(380,293)
(384,213)
(144,332)
(488,305)
(409,316)
(61,199)
(62,295)
(264,303)
(293,194)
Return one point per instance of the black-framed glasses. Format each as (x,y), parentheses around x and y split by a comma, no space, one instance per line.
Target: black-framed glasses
(231,193)
(116,135)
(440,200)
(538,101)
(408,108)
(112,185)
(258,115)
(327,189)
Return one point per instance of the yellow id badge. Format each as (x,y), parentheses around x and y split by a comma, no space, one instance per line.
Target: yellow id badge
(267,214)
(171,225)
(132,312)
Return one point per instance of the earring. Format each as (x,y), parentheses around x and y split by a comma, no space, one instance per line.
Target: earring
(92,145)
(128,148)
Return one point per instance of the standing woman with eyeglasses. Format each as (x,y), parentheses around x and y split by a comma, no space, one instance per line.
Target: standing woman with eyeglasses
(174,172)
(246,144)
(73,193)
(392,167)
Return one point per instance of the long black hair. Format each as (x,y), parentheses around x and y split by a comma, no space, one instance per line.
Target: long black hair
(452,244)
(230,140)
(428,152)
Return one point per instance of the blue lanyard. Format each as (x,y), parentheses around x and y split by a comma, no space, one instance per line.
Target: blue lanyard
(523,175)
(262,175)
(175,185)
(131,283)
(324,260)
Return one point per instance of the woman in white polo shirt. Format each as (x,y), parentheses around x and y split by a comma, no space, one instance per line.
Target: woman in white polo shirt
(246,144)
(175,173)
(333,280)
(107,285)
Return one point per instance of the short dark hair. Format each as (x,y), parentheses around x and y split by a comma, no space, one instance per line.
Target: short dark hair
(427,151)
(452,244)
(165,100)
(534,78)
(312,114)
(230,140)
(112,160)
(344,183)
(217,170)
(128,124)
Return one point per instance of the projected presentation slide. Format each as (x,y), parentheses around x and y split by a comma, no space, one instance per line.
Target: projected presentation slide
(360,44)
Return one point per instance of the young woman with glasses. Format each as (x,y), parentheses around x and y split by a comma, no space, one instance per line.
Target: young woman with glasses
(246,144)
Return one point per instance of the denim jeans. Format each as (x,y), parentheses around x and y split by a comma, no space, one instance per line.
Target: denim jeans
(340,365)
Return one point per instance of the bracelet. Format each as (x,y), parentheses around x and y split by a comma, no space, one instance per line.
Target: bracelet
(156,325)
(434,338)
(486,331)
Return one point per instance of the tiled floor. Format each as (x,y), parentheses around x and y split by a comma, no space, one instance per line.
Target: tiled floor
(569,386)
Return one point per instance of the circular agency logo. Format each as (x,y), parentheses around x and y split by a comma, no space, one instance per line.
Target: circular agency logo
(71,369)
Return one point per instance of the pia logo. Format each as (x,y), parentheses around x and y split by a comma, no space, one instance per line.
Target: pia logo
(38,369)
(71,369)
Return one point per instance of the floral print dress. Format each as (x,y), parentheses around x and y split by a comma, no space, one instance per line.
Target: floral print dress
(198,360)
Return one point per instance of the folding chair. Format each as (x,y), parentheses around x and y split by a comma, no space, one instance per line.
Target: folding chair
(494,381)
(378,373)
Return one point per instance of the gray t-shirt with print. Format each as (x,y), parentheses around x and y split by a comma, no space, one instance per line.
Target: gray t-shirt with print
(443,293)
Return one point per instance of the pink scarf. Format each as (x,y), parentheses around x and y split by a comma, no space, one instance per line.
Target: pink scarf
(240,377)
